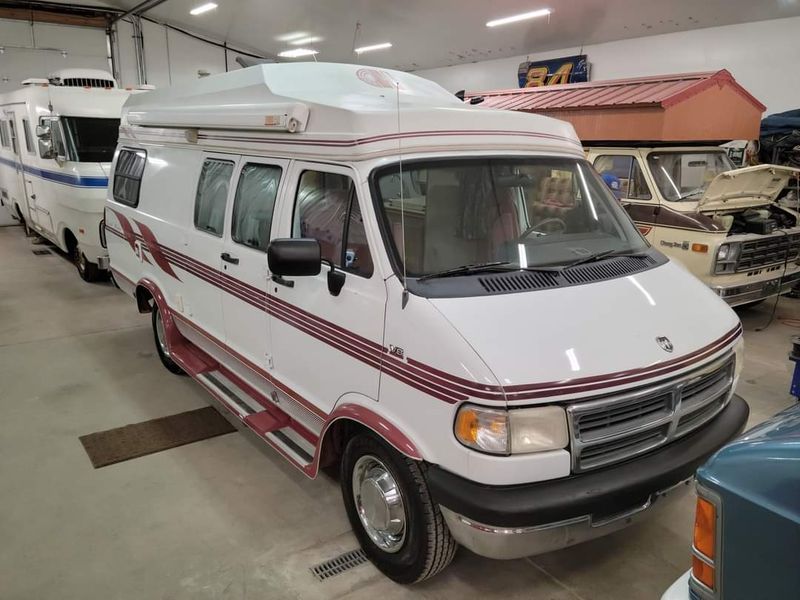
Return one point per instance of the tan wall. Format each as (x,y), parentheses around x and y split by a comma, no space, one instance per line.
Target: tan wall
(716,113)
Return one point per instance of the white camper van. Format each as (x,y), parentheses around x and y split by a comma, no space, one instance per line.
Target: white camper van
(446,303)
(57,139)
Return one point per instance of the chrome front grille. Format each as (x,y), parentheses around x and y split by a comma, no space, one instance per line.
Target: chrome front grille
(768,250)
(615,428)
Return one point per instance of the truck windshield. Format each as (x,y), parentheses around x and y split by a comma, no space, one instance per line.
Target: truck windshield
(500,213)
(90,139)
(686,175)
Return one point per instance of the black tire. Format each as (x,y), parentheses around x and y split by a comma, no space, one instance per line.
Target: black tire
(161,345)
(427,546)
(88,271)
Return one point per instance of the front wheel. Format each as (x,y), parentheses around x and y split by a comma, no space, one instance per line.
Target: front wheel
(160,335)
(390,509)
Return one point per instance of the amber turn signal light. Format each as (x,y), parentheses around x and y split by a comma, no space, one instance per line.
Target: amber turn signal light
(700,248)
(705,525)
(703,572)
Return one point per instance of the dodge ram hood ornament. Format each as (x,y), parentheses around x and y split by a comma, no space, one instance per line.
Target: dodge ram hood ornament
(665,344)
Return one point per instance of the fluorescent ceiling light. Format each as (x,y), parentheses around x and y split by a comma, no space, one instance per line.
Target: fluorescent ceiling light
(288,37)
(542,12)
(297,53)
(305,40)
(373,47)
(203,8)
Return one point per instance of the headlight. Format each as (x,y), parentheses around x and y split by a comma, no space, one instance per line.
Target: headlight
(727,257)
(517,431)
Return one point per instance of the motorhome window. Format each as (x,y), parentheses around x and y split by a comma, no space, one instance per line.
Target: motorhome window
(90,139)
(326,208)
(128,176)
(212,195)
(13,135)
(626,173)
(686,175)
(523,212)
(254,204)
(4,134)
(26,129)
(57,138)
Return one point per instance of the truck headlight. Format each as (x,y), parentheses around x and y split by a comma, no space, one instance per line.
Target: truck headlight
(516,431)
(727,257)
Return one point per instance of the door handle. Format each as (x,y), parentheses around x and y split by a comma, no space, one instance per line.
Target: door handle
(282,281)
(229,259)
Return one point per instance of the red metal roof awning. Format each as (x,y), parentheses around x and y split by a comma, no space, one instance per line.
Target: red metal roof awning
(684,107)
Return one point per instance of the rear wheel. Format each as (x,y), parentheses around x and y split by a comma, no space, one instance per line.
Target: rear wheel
(160,335)
(390,509)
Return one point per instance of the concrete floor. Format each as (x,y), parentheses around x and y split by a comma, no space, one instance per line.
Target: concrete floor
(224,518)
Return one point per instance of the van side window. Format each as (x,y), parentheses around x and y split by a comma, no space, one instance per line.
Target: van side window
(4,134)
(253,205)
(326,208)
(26,129)
(56,136)
(212,194)
(625,172)
(128,176)
(13,133)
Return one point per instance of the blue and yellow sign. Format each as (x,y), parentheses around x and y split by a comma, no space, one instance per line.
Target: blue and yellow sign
(570,69)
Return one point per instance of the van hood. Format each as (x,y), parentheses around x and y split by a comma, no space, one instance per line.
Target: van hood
(591,339)
(745,188)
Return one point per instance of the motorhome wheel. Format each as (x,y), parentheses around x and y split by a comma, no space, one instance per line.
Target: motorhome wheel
(160,335)
(390,509)
(87,270)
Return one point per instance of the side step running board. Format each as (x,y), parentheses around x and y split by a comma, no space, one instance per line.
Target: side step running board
(269,424)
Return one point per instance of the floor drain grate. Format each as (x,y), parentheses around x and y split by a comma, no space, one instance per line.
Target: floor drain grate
(339,564)
(41,252)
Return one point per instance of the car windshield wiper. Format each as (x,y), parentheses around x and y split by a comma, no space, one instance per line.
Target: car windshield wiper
(468,269)
(692,193)
(582,261)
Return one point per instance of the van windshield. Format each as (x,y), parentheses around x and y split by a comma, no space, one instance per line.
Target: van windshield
(90,139)
(519,212)
(686,175)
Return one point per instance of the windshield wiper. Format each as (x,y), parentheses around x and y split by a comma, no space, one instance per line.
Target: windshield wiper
(692,193)
(467,270)
(583,260)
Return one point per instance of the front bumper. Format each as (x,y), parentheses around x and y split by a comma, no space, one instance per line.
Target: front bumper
(679,590)
(522,520)
(738,294)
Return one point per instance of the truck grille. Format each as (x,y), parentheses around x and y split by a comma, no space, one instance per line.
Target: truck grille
(768,250)
(615,428)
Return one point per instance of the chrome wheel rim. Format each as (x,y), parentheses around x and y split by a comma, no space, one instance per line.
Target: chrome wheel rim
(379,503)
(161,334)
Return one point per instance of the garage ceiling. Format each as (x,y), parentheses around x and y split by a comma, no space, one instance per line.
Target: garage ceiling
(435,33)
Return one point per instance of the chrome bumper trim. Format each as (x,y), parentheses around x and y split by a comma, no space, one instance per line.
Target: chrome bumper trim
(516,542)
(751,292)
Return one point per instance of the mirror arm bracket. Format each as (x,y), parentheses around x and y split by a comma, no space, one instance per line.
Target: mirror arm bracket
(336,278)
(280,280)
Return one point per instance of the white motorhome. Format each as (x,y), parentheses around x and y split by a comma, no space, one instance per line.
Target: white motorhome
(447,303)
(57,139)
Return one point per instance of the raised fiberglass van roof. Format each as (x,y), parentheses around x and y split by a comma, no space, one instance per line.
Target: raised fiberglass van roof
(325,108)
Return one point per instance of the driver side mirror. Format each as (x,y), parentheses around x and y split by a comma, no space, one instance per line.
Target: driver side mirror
(294,257)
(45,141)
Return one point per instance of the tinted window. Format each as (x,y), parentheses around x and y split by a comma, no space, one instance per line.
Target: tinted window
(326,208)
(212,193)
(128,176)
(3,134)
(26,128)
(89,139)
(13,133)
(254,204)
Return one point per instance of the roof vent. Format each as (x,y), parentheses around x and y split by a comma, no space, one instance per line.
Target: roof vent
(523,281)
(85,78)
